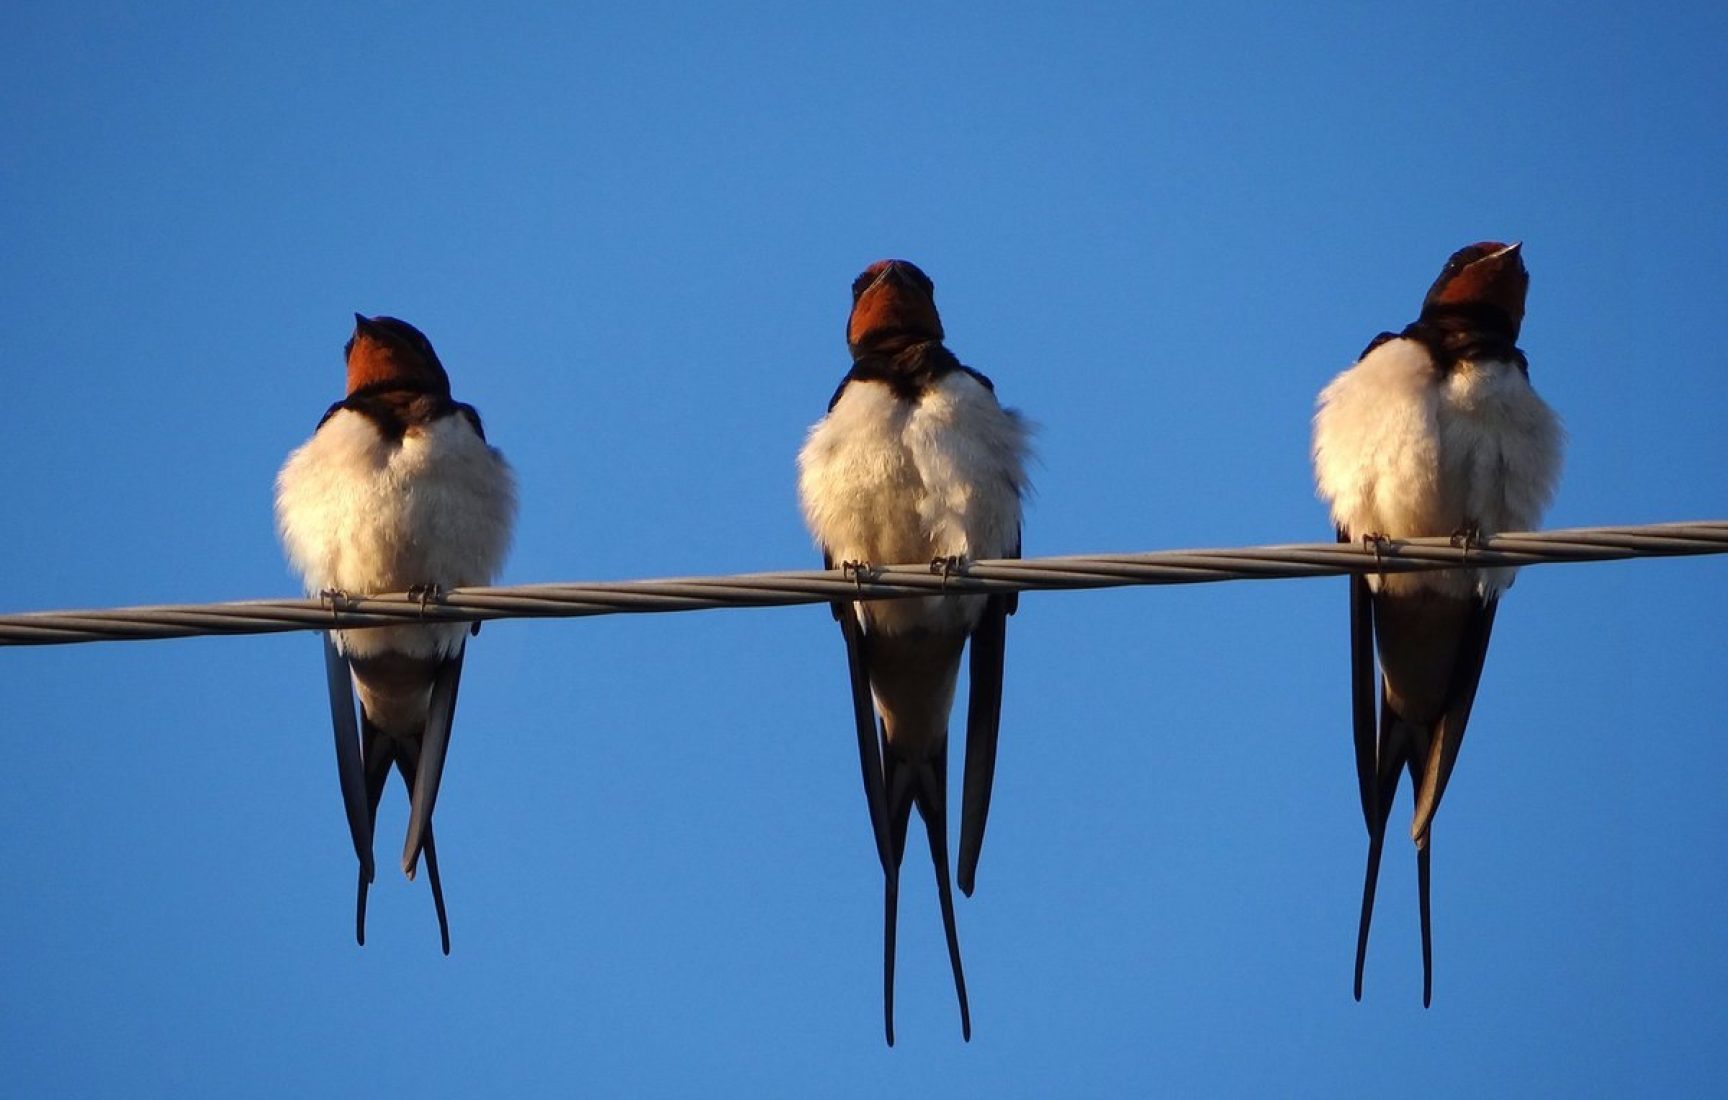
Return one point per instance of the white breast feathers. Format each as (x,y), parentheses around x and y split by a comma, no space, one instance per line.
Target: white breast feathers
(1402,450)
(361,513)
(888,480)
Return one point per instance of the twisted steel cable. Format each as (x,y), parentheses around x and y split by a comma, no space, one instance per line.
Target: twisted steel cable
(552,601)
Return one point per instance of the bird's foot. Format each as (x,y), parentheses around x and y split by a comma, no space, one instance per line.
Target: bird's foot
(1467,538)
(424,594)
(859,571)
(946,566)
(1376,542)
(333,598)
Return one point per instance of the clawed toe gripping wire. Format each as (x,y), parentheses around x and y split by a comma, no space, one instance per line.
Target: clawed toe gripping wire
(425,594)
(334,598)
(1466,539)
(1377,543)
(946,567)
(859,571)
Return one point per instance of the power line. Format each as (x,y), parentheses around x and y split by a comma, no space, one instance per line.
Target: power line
(553,601)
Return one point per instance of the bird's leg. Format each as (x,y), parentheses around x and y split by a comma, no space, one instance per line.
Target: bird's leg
(1467,538)
(947,566)
(425,594)
(335,598)
(1376,542)
(857,570)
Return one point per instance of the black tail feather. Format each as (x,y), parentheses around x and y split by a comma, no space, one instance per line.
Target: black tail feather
(1419,748)
(890,910)
(430,753)
(1394,754)
(1362,685)
(431,852)
(349,767)
(1448,734)
(983,722)
(864,722)
(899,814)
(1376,844)
(408,763)
(1422,856)
(932,796)
(923,784)
(377,753)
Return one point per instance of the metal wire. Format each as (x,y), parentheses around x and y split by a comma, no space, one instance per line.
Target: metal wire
(552,601)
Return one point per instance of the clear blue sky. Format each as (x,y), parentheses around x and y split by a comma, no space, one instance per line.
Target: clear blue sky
(630,233)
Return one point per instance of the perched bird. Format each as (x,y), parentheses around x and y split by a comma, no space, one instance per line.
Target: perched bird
(1434,431)
(917,462)
(396,490)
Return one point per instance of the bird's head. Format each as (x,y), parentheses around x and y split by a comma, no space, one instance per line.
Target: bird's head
(385,350)
(893,306)
(1483,277)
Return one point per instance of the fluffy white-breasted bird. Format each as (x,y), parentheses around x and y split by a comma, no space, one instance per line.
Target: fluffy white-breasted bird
(1434,431)
(916,461)
(396,490)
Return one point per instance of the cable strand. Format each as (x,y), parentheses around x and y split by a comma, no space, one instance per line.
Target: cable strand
(1067,572)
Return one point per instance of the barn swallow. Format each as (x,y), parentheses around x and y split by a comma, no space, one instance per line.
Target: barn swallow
(916,461)
(1434,431)
(396,490)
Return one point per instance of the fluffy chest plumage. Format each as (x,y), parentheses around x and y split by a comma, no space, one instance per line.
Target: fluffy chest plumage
(1404,449)
(362,512)
(888,479)
(893,480)
(1492,429)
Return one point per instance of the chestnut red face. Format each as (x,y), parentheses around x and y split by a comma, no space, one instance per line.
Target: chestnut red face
(384,349)
(1487,273)
(892,298)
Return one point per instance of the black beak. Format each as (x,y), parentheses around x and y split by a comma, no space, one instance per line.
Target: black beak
(1509,257)
(896,272)
(882,276)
